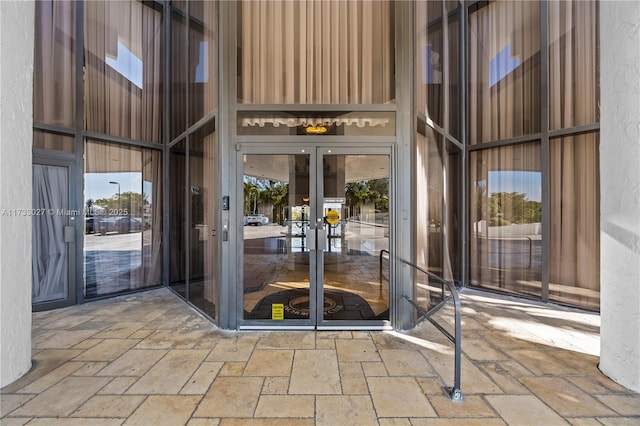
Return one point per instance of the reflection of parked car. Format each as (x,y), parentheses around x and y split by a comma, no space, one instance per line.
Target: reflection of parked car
(120,224)
(256,219)
(89,225)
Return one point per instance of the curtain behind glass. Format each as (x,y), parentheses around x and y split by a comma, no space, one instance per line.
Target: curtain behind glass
(54,80)
(316,52)
(179,79)
(178,217)
(429,61)
(506,219)
(504,71)
(573,64)
(152,217)
(437,227)
(47,140)
(50,263)
(574,267)
(452,89)
(203,58)
(123,64)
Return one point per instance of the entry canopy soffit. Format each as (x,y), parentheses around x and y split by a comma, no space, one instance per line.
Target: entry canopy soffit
(305,119)
(314,121)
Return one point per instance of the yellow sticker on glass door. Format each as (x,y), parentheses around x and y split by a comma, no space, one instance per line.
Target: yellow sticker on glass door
(277,311)
(333,217)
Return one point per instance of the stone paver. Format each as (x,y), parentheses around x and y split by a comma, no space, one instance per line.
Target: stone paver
(315,372)
(399,397)
(150,359)
(164,410)
(345,410)
(231,397)
(524,410)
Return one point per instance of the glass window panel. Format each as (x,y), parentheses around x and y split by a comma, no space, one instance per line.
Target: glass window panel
(451,5)
(430,202)
(123,69)
(179,78)
(574,249)
(316,52)
(437,200)
(574,92)
(429,58)
(506,219)
(342,123)
(452,233)
(203,58)
(46,140)
(123,218)
(54,82)
(504,70)
(178,217)
(204,211)
(355,211)
(179,5)
(452,94)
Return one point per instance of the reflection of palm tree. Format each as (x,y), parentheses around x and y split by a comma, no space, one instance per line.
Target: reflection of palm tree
(251,193)
(368,191)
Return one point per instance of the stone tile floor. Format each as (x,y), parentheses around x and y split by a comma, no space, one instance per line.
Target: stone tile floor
(149,359)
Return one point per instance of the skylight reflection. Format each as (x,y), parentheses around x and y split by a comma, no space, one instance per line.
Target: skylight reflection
(127,64)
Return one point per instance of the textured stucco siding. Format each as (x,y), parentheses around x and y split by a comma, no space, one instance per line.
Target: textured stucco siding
(620,189)
(16,74)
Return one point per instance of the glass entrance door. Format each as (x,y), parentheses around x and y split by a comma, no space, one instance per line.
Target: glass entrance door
(315,222)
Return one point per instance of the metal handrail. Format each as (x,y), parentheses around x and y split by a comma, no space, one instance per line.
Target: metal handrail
(455,393)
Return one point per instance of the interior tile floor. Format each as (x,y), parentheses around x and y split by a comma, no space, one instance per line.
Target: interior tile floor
(150,359)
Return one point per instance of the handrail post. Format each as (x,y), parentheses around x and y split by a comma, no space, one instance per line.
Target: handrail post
(454,392)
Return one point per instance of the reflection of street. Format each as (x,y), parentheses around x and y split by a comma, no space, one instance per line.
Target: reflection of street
(112,262)
(131,241)
(354,236)
(264,231)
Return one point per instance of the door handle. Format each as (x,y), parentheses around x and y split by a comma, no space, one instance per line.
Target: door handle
(311,239)
(69,234)
(317,239)
(322,239)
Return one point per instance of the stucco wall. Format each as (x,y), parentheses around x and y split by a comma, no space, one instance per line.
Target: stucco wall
(620,189)
(16,70)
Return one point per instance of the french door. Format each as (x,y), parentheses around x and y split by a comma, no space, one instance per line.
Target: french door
(315,225)
(53,236)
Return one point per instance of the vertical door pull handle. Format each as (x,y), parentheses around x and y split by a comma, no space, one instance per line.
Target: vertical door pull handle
(69,234)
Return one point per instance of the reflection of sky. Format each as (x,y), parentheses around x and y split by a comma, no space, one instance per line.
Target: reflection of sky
(202,69)
(127,64)
(430,75)
(96,185)
(529,183)
(501,65)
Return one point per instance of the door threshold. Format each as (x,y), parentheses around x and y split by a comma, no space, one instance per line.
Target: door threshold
(354,328)
(312,328)
(275,328)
